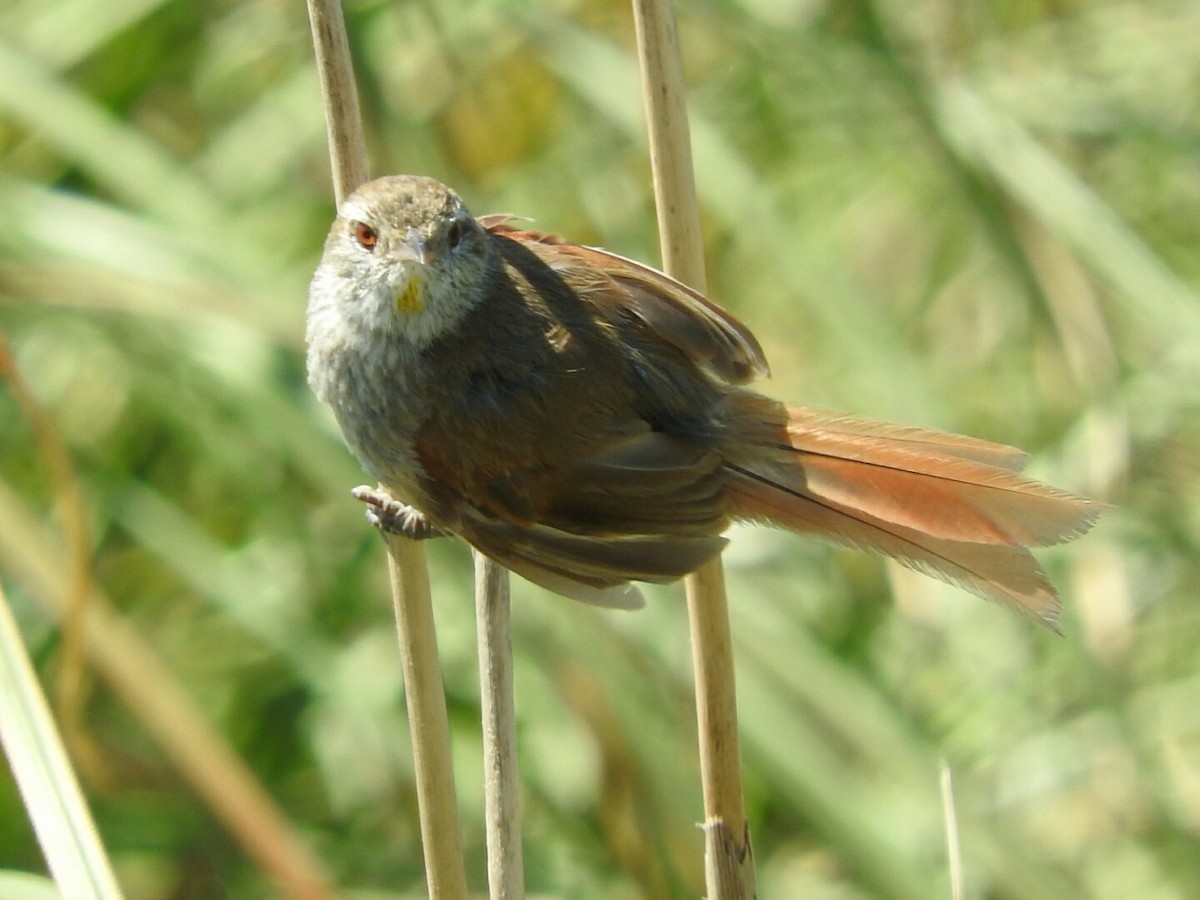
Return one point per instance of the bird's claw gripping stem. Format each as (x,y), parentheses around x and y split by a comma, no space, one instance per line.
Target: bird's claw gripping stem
(387,513)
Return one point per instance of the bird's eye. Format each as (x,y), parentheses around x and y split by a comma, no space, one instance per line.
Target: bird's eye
(455,234)
(366,236)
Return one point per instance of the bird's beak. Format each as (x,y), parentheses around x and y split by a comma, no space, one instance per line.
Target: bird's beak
(412,249)
(413,255)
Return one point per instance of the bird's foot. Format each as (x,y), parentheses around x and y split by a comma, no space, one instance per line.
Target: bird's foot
(388,514)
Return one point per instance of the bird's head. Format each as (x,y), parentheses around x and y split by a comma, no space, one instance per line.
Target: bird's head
(403,257)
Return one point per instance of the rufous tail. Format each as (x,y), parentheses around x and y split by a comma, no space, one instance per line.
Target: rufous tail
(951,506)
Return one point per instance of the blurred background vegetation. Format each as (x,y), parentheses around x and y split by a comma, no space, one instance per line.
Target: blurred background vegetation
(978,216)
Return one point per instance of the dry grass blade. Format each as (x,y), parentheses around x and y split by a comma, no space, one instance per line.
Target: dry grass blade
(729,864)
(57,461)
(64,826)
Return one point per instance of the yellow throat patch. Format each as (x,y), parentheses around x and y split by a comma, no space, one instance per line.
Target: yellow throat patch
(411,300)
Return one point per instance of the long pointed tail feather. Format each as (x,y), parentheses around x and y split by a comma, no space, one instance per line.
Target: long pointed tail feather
(946,505)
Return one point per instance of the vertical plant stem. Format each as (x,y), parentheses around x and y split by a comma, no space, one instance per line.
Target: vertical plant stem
(953,850)
(441,837)
(729,864)
(501,781)
(343,124)
(728,860)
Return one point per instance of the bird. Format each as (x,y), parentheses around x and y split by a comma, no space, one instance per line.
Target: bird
(584,419)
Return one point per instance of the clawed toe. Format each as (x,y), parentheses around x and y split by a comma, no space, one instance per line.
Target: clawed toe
(387,513)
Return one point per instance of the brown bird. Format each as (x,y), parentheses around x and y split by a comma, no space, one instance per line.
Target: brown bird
(580,418)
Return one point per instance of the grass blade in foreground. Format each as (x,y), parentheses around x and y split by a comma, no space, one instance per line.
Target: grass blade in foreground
(43,773)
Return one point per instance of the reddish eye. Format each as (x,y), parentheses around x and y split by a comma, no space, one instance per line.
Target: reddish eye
(366,236)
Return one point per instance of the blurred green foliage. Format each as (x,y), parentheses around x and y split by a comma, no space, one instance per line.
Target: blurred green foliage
(979,216)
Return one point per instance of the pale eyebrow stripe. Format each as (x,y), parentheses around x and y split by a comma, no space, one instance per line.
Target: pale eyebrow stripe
(351,209)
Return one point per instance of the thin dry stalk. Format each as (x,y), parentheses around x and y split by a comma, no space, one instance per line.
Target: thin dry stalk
(71,687)
(953,850)
(445,872)
(441,837)
(339,95)
(51,794)
(729,863)
(728,859)
(501,779)
(131,668)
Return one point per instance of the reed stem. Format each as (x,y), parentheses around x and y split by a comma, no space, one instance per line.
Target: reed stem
(501,775)
(729,864)
(441,836)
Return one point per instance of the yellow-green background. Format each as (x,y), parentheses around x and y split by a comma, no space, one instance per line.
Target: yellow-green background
(979,216)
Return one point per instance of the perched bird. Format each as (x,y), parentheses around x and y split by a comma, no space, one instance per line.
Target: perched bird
(581,418)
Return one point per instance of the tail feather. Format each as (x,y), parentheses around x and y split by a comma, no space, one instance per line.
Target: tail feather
(946,505)
(880,438)
(954,499)
(995,572)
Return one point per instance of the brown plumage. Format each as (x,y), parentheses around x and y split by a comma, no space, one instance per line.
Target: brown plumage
(581,418)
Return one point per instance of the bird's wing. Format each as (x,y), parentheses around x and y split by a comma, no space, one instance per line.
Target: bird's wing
(555,461)
(646,507)
(630,486)
(678,315)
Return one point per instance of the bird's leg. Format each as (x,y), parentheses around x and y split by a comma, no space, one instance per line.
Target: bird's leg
(387,513)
